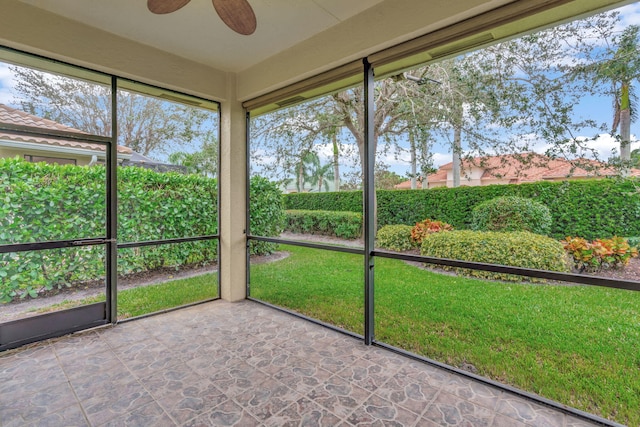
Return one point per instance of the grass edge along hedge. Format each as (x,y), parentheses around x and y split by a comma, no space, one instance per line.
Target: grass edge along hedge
(589,208)
(515,249)
(346,225)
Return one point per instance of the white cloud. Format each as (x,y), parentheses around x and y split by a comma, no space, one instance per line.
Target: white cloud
(603,145)
(440,159)
(7,83)
(325,151)
(630,14)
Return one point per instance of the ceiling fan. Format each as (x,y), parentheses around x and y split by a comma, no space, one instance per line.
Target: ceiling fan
(236,14)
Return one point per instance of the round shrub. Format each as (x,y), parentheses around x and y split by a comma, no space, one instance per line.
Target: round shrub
(395,238)
(511,213)
(634,241)
(516,249)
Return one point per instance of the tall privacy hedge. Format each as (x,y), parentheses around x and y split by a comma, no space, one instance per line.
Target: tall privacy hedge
(587,208)
(42,202)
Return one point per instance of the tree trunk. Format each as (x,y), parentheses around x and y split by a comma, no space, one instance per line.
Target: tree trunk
(360,142)
(625,131)
(300,178)
(457,149)
(414,165)
(336,165)
(425,182)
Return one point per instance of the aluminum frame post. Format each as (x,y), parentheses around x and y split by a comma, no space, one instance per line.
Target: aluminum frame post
(112,211)
(369,202)
(247,229)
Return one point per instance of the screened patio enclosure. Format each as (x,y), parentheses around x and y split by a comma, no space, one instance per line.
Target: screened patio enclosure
(298,54)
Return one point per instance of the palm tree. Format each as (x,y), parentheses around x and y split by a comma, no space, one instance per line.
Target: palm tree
(620,71)
(300,171)
(319,174)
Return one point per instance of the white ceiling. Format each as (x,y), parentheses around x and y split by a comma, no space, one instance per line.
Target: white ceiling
(195,32)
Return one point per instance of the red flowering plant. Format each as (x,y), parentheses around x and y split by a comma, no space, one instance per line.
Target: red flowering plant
(424,228)
(601,254)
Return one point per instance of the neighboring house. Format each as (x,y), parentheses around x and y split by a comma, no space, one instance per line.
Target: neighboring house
(515,169)
(47,149)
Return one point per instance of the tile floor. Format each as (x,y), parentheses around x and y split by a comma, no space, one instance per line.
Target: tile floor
(240,364)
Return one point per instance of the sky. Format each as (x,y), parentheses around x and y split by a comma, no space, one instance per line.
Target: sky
(6,84)
(594,107)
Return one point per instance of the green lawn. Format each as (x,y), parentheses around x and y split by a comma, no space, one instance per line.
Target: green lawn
(149,299)
(578,345)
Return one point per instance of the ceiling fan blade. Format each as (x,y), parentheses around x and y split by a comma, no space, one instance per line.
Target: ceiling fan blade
(165,6)
(237,14)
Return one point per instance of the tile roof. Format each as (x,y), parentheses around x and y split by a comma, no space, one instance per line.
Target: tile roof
(16,117)
(525,167)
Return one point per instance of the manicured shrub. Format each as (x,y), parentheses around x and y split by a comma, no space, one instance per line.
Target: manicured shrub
(44,202)
(395,238)
(516,249)
(511,213)
(346,225)
(346,201)
(424,228)
(601,254)
(593,208)
(267,214)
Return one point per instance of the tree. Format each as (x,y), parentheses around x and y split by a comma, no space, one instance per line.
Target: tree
(336,162)
(457,98)
(635,158)
(309,169)
(306,159)
(204,162)
(619,68)
(288,132)
(317,173)
(538,80)
(386,179)
(281,140)
(147,125)
(508,98)
(422,115)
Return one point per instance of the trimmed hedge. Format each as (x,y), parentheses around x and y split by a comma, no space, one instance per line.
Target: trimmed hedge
(592,208)
(511,213)
(346,225)
(346,201)
(44,202)
(395,238)
(516,249)
(267,214)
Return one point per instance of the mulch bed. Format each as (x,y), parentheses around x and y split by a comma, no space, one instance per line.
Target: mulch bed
(629,272)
